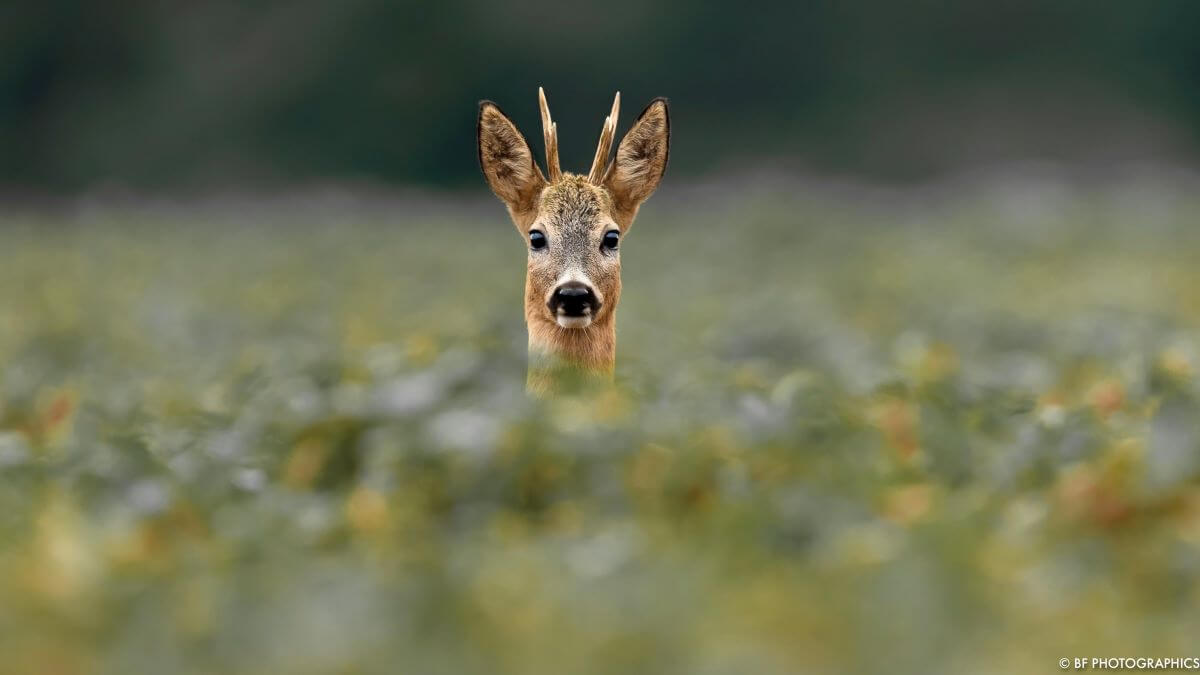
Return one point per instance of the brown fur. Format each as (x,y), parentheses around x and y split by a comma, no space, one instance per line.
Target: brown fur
(574,213)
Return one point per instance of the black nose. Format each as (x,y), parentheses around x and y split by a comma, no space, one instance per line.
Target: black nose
(574,298)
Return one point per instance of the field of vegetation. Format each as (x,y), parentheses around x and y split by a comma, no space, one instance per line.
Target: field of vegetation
(939,429)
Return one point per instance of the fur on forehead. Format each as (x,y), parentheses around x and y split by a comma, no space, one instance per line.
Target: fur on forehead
(574,199)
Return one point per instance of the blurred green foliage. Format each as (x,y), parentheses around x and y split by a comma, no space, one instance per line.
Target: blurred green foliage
(853,431)
(157,94)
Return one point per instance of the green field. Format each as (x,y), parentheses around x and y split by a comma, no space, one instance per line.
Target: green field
(942,429)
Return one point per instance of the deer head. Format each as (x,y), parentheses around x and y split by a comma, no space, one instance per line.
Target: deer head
(573,225)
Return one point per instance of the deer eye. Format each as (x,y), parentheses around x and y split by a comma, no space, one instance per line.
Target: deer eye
(611,239)
(537,240)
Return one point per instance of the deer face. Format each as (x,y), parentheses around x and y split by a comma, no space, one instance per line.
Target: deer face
(572,224)
(574,270)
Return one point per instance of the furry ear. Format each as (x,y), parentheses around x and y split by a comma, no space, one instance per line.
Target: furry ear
(506,159)
(641,159)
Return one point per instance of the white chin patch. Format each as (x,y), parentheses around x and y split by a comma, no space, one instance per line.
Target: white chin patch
(573,321)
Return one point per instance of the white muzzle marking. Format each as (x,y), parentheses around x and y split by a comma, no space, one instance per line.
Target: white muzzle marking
(573,321)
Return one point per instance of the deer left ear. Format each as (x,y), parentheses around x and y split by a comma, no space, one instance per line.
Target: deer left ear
(506,159)
(641,159)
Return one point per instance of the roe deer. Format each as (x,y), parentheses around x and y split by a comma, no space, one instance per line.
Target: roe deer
(573,225)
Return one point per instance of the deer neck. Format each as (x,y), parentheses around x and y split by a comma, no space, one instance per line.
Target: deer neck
(556,353)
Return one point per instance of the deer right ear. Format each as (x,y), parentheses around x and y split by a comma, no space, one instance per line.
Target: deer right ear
(641,159)
(506,159)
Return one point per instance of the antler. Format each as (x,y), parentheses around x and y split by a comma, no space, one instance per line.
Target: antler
(550,133)
(607,134)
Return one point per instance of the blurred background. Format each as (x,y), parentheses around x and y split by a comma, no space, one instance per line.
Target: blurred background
(156,95)
(908,373)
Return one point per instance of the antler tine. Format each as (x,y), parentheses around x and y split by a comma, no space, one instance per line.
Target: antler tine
(550,134)
(607,134)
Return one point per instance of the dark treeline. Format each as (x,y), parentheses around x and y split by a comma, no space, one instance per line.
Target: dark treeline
(156,94)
